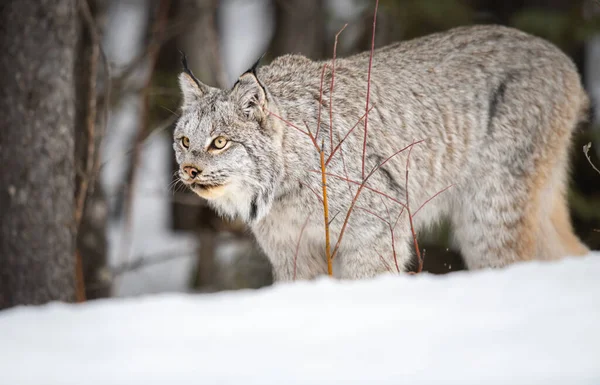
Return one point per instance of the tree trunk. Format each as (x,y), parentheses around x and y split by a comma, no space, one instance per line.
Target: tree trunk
(37,174)
(299,28)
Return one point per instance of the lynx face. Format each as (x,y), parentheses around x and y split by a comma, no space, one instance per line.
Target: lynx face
(227,147)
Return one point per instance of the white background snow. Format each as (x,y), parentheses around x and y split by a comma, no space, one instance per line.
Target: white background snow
(532,323)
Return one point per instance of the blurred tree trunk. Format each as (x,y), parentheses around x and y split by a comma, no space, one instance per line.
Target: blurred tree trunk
(37,124)
(299,28)
(91,237)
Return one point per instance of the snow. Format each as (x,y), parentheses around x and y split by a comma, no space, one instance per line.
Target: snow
(531,323)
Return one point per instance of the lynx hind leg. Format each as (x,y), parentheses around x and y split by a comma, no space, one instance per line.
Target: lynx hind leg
(507,219)
(491,224)
(556,238)
(513,207)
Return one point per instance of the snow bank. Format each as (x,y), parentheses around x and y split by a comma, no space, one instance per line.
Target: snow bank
(535,323)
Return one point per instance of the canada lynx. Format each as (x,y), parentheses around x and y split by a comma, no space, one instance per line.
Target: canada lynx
(495,108)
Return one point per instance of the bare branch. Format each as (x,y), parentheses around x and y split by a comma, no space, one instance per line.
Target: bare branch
(298,243)
(331,87)
(345,136)
(326,215)
(369,89)
(360,188)
(586,151)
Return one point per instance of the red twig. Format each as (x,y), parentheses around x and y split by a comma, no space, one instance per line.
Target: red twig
(392,233)
(312,190)
(387,265)
(326,214)
(289,123)
(374,214)
(312,137)
(345,136)
(410,217)
(366,187)
(298,243)
(391,228)
(369,88)
(331,87)
(345,170)
(360,188)
(399,215)
(339,145)
(320,103)
(307,133)
(430,199)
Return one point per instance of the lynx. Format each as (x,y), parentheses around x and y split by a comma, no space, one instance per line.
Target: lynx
(489,111)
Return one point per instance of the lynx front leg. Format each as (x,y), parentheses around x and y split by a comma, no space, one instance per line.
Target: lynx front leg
(373,259)
(306,263)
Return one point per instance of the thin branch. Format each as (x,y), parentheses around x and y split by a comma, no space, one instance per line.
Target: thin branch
(313,191)
(92,159)
(158,31)
(312,137)
(91,113)
(344,168)
(320,103)
(358,191)
(364,154)
(430,199)
(385,263)
(366,187)
(176,27)
(160,127)
(345,136)
(374,214)
(586,151)
(149,260)
(410,217)
(392,233)
(307,133)
(331,87)
(298,243)
(393,236)
(326,214)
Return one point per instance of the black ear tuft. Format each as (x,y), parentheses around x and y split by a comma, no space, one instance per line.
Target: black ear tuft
(191,87)
(187,69)
(255,65)
(251,70)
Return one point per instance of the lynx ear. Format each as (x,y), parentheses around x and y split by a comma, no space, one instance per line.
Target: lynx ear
(250,95)
(191,87)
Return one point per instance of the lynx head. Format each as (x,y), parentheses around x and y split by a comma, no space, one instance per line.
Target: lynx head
(227,146)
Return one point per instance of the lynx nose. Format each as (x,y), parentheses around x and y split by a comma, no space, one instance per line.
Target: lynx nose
(191,171)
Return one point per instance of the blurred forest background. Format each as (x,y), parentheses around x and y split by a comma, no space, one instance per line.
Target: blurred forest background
(89,98)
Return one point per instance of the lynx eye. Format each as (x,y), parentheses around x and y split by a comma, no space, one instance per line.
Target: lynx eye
(219,143)
(185,142)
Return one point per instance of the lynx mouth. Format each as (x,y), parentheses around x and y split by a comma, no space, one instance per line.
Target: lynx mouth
(205,186)
(208,190)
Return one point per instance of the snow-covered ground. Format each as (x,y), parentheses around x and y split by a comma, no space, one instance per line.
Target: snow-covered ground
(533,323)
